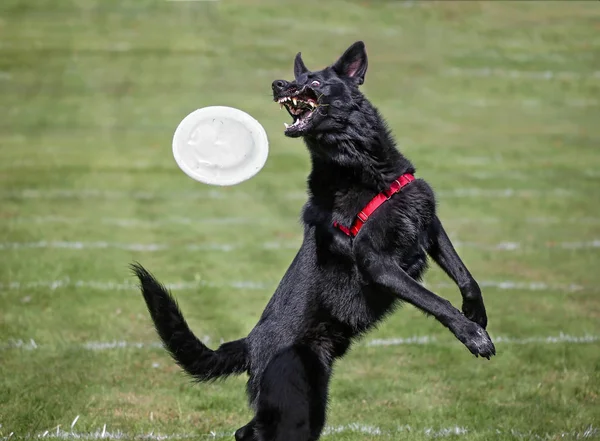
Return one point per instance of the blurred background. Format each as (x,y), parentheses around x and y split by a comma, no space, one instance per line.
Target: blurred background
(496,103)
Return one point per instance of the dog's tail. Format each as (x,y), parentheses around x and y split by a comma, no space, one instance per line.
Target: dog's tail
(187,350)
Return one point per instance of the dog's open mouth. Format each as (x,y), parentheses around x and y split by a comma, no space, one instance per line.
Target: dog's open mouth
(300,105)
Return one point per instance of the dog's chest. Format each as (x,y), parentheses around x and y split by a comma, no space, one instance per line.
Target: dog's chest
(341,289)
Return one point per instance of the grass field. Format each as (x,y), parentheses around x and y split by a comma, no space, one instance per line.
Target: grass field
(497,104)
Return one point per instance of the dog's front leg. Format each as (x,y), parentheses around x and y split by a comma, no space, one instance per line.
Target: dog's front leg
(383,271)
(444,254)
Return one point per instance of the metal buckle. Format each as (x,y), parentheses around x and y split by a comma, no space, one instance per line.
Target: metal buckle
(388,197)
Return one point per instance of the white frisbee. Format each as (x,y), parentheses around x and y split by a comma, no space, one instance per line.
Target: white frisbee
(220,145)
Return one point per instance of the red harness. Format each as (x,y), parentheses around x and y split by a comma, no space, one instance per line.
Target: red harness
(364,214)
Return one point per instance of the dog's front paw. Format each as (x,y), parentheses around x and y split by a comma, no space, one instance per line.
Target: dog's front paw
(474,310)
(476,339)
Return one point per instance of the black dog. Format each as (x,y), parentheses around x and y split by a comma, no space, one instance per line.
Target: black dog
(358,260)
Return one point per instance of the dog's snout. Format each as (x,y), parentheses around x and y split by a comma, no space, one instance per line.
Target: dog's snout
(279,85)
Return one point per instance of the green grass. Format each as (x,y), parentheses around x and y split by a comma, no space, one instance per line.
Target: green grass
(483,97)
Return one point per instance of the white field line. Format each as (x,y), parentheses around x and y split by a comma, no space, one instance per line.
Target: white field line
(291,245)
(31,345)
(118,194)
(476,173)
(148,247)
(521,74)
(137,222)
(589,432)
(512,246)
(110,345)
(538,220)
(352,428)
(503,193)
(130,285)
(422,340)
(591,173)
(58,433)
(487,102)
(430,340)
(510,285)
(566,59)
(53,194)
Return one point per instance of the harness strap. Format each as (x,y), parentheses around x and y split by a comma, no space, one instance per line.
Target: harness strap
(374,204)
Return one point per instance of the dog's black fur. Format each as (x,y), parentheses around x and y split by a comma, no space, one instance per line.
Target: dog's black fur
(337,287)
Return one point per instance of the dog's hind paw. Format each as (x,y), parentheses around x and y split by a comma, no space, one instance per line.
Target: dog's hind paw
(476,339)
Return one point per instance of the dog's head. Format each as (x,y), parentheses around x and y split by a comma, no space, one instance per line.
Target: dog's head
(322,101)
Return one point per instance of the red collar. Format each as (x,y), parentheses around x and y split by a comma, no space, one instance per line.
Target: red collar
(364,214)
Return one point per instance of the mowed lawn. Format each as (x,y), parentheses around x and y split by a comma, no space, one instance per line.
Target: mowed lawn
(497,104)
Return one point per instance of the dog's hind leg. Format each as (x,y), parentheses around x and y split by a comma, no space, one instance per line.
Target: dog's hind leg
(444,254)
(293,397)
(246,433)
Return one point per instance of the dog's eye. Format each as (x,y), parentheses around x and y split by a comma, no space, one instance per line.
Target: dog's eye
(315,83)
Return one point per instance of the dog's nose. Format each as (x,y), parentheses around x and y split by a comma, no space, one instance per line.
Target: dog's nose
(279,85)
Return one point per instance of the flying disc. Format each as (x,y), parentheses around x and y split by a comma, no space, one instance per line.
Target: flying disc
(220,145)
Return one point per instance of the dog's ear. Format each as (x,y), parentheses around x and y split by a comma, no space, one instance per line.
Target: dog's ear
(299,67)
(353,63)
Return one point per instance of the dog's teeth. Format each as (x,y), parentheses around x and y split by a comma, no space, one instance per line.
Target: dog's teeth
(294,101)
(280,106)
(286,125)
(313,105)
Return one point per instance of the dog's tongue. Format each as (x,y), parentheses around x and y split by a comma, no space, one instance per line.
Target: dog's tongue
(299,120)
